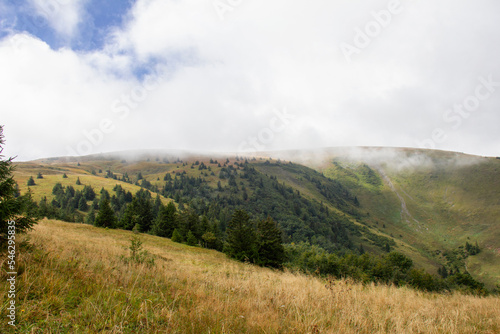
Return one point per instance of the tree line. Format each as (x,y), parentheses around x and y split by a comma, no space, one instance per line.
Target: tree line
(393,268)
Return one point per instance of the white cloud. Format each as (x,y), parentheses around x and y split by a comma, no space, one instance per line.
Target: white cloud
(52,97)
(222,79)
(63,16)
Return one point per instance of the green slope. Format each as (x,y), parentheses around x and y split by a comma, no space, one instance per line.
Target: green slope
(432,200)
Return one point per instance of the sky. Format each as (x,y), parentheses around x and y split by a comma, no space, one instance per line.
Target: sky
(80,77)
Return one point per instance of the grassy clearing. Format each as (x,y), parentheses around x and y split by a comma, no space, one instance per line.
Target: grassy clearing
(74,280)
(44,186)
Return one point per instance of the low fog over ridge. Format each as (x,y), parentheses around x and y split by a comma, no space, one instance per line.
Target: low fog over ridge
(391,157)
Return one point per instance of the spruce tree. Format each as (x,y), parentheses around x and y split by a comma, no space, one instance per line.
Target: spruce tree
(65,176)
(95,204)
(88,193)
(78,181)
(31,182)
(104,195)
(105,217)
(129,218)
(82,204)
(90,219)
(166,222)
(145,213)
(387,248)
(241,243)
(191,239)
(12,208)
(271,251)
(176,236)
(157,205)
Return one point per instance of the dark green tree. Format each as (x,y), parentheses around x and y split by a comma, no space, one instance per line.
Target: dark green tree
(130,217)
(12,208)
(176,236)
(95,204)
(39,176)
(31,182)
(241,241)
(145,213)
(399,261)
(166,222)
(90,219)
(65,176)
(78,181)
(157,205)
(58,189)
(209,240)
(191,239)
(82,204)
(45,209)
(104,195)
(188,220)
(387,247)
(88,193)
(443,272)
(105,217)
(271,251)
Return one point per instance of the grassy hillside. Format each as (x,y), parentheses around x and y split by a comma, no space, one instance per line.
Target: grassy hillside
(425,204)
(75,279)
(435,201)
(219,186)
(53,173)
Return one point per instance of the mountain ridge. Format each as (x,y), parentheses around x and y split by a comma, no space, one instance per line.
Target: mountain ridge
(433,189)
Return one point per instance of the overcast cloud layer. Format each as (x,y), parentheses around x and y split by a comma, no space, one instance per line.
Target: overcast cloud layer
(81,77)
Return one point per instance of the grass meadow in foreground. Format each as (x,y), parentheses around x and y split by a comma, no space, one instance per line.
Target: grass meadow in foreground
(74,279)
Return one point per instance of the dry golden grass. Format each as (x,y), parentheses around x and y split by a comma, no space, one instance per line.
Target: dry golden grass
(75,281)
(43,187)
